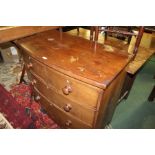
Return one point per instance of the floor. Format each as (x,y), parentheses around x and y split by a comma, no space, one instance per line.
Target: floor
(10,74)
(134,113)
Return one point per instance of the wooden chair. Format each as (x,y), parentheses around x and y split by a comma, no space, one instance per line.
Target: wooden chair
(98,29)
(129,77)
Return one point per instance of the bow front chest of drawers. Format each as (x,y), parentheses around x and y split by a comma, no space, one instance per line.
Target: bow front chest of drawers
(78,87)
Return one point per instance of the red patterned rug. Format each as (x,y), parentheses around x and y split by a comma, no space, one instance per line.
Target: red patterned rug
(22,112)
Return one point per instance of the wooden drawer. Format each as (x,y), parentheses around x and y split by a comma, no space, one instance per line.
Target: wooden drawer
(64,119)
(34,66)
(72,89)
(80,111)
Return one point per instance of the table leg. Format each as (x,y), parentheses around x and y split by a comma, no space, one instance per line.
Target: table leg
(23,73)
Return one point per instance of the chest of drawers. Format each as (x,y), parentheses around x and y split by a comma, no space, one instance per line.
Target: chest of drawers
(78,87)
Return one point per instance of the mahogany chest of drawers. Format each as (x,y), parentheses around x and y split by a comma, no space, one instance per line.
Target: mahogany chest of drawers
(78,87)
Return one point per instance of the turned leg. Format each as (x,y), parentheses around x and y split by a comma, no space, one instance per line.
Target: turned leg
(91,33)
(96,37)
(60,30)
(22,75)
(78,31)
(129,80)
(152,95)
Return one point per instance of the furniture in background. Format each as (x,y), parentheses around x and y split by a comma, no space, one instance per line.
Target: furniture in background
(78,86)
(9,33)
(120,32)
(152,94)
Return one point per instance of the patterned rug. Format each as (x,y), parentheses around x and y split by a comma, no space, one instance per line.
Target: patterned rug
(21,111)
(4,124)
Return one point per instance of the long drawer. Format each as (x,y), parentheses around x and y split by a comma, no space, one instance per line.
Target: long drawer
(70,88)
(64,119)
(80,111)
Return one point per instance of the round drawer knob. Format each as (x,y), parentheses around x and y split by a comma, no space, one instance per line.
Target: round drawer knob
(67,90)
(37,98)
(68,123)
(33,82)
(29,65)
(67,107)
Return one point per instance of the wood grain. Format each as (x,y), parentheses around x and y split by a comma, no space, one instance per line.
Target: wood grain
(75,57)
(9,33)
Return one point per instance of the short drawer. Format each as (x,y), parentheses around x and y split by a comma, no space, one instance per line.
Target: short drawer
(35,66)
(63,119)
(78,110)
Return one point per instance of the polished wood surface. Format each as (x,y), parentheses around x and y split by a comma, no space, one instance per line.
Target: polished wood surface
(75,57)
(78,87)
(141,58)
(9,33)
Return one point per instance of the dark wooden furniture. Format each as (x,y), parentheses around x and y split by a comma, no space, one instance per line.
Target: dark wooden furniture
(121,31)
(152,94)
(78,87)
(138,40)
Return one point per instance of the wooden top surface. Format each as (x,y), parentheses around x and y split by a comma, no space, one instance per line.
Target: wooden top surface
(9,33)
(143,53)
(142,56)
(75,57)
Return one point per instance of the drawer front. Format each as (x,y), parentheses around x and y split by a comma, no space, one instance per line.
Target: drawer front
(83,113)
(72,89)
(34,66)
(63,119)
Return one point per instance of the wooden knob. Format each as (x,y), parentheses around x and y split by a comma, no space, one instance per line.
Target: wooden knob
(33,82)
(67,90)
(29,65)
(67,107)
(37,98)
(68,123)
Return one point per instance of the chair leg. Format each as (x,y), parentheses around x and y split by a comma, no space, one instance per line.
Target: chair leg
(152,95)
(128,83)
(78,31)
(22,75)
(60,30)
(91,33)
